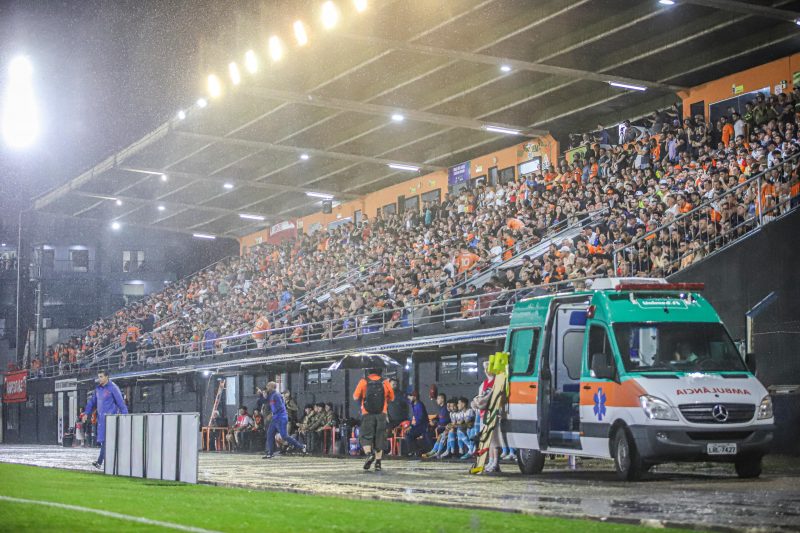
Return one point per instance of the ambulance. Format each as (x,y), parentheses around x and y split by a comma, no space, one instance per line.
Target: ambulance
(638,370)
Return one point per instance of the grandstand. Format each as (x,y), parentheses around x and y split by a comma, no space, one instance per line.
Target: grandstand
(419,171)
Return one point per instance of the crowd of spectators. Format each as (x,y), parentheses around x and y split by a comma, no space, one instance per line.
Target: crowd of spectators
(679,174)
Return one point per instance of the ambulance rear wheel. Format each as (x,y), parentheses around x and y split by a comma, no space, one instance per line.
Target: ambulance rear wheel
(530,461)
(748,467)
(629,465)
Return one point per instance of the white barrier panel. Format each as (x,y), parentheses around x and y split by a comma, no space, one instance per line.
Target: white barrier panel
(155,446)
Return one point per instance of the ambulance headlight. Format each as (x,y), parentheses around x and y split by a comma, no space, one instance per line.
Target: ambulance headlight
(656,408)
(765,409)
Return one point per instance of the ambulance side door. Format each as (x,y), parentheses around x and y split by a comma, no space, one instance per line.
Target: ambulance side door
(598,389)
(520,426)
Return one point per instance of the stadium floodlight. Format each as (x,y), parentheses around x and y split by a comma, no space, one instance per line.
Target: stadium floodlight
(214,86)
(304,157)
(119,202)
(181,114)
(228,185)
(164,177)
(330,14)
(233,72)
(667,2)
(115,225)
(797,21)
(206,373)
(251,62)
(203,236)
(162,208)
(202,102)
(397,117)
(275,48)
(20,113)
(320,195)
(498,129)
(400,166)
(627,86)
(505,68)
(300,34)
(360,5)
(251,217)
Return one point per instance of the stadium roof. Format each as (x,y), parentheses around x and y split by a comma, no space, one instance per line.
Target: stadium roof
(449,68)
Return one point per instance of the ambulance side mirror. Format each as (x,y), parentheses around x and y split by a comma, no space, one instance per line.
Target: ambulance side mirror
(600,367)
(750,362)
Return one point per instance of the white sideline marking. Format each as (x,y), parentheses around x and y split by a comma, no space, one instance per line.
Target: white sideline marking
(109,514)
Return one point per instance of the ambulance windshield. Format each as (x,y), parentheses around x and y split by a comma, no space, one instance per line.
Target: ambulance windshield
(677,347)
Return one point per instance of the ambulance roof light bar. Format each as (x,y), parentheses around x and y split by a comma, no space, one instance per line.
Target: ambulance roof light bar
(660,286)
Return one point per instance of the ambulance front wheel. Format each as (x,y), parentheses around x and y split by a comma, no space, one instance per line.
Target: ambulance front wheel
(748,467)
(530,461)
(627,461)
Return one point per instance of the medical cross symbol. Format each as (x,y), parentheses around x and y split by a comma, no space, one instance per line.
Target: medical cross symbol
(600,404)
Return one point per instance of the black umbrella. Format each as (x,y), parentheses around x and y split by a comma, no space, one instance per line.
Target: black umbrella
(364,360)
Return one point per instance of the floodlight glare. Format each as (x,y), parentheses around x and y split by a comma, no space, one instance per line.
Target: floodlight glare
(251,62)
(181,114)
(399,166)
(505,68)
(300,34)
(248,216)
(498,129)
(202,102)
(115,226)
(627,86)
(667,2)
(228,186)
(275,48)
(321,195)
(119,202)
(360,5)
(233,72)
(330,15)
(161,208)
(214,86)
(164,177)
(203,236)
(20,118)
(397,117)
(304,157)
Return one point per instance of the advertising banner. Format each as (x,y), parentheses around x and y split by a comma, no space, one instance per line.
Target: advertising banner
(15,388)
(458,174)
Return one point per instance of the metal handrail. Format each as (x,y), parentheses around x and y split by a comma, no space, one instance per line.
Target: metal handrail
(703,208)
(551,235)
(472,307)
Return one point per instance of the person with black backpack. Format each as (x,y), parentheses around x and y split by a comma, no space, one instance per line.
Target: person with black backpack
(374,393)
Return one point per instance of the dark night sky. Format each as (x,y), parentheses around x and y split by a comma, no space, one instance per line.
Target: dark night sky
(105,73)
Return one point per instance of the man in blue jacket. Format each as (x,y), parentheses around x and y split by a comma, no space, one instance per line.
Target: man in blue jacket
(108,401)
(280,419)
(419,424)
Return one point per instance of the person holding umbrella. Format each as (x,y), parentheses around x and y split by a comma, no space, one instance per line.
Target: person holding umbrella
(108,400)
(374,393)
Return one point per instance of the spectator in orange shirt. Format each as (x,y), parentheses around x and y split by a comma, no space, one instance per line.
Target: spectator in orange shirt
(374,393)
(465,260)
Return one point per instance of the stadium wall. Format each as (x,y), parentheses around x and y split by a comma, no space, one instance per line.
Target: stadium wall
(769,75)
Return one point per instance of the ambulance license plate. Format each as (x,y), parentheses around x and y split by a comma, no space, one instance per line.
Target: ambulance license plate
(721,448)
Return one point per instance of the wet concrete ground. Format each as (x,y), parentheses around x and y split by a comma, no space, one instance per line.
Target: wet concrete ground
(703,496)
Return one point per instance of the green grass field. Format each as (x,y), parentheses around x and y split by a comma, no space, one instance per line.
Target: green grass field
(231,509)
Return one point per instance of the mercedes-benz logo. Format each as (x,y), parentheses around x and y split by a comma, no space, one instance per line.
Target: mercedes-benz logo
(719,412)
